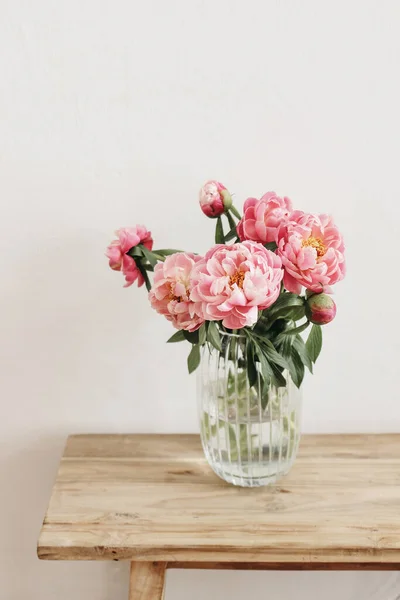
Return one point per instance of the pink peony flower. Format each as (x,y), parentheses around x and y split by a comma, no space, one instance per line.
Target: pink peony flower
(214,198)
(170,294)
(263,220)
(128,237)
(234,282)
(320,309)
(312,253)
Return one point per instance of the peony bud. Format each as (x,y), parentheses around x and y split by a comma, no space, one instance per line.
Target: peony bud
(226,198)
(214,199)
(320,309)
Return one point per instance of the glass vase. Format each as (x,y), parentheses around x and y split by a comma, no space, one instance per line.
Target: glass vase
(250,435)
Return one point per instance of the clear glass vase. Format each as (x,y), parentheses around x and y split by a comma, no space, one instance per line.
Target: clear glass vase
(250,436)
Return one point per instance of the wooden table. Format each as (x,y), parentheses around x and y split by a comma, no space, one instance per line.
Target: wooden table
(153,500)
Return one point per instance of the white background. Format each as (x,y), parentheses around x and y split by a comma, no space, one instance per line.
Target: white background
(114,113)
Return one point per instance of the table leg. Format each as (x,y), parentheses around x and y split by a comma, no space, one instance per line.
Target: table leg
(147,580)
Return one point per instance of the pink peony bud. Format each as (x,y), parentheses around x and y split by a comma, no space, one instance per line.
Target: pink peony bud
(320,309)
(214,199)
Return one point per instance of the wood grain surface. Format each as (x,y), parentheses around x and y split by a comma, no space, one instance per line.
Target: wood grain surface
(154,498)
(147,581)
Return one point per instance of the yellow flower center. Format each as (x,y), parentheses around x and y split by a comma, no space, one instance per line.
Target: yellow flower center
(316,243)
(237,278)
(172,296)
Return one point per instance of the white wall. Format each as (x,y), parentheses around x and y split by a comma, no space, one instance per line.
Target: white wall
(113,113)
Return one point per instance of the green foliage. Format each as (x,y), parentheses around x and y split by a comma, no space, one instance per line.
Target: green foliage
(231,220)
(296,330)
(177,337)
(231,234)
(271,362)
(193,360)
(150,256)
(219,232)
(143,272)
(296,367)
(284,306)
(272,354)
(274,346)
(278,379)
(314,342)
(274,320)
(192,336)
(235,212)
(202,334)
(167,251)
(213,335)
(251,367)
(271,246)
(300,346)
(135,251)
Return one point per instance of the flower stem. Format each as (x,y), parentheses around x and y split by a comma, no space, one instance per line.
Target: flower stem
(235,212)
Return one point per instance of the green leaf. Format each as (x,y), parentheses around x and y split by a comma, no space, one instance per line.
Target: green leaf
(219,232)
(143,272)
(278,379)
(251,367)
(167,251)
(292,313)
(213,335)
(285,345)
(193,360)
(177,337)
(135,251)
(202,334)
(271,246)
(262,326)
(191,336)
(149,256)
(266,370)
(285,300)
(231,234)
(297,312)
(314,342)
(271,361)
(264,396)
(300,346)
(288,306)
(235,212)
(272,354)
(296,367)
(296,330)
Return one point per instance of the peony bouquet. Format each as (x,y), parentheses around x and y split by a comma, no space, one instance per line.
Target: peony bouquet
(270,275)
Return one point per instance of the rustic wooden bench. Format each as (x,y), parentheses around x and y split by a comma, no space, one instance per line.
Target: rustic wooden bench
(153,500)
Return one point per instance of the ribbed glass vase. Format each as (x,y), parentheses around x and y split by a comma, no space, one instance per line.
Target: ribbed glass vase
(250,436)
